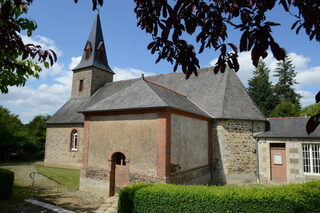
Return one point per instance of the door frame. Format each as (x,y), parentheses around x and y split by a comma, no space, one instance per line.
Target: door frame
(280,147)
(112,167)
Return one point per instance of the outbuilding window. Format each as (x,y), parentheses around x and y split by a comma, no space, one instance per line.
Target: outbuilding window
(74,140)
(311,158)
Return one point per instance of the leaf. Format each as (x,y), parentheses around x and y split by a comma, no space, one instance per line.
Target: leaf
(234,47)
(54,55)
(285,5)
(318,97)
(243,41)
(201,48)
(46,64)
(313,123)
(151,45)
(294,24)
(277,51)
(298,29)
(235,63)
(100,2)
(94,4)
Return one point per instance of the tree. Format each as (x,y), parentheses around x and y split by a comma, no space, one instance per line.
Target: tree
(286,109)
(12,136)
(311,110)
(37,134)
(260,89)
(285,72)
(19,61)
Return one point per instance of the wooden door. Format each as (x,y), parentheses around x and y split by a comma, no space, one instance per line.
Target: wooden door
(278,163)
(121,177)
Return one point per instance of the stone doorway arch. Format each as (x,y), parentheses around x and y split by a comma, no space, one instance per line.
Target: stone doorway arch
(119,172)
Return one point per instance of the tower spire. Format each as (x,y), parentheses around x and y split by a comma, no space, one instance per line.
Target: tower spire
(94,54)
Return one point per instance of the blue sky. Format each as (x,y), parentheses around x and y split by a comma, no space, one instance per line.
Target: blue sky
(65,27)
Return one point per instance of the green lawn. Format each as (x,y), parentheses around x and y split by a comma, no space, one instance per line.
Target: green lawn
(68,177)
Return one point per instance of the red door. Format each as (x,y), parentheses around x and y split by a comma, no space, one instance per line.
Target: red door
(121,177)
(278,163)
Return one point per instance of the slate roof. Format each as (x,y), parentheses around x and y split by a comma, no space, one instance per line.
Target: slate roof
(95,39)
(288,128)
(144,94)
(212,95)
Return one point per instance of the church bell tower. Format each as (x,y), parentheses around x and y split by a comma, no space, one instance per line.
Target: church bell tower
(93,71)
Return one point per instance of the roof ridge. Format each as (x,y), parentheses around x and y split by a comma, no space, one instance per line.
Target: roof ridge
(159,85)
(170,73)
(284,117)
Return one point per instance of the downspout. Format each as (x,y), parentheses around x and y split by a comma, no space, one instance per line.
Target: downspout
(257,156)
(258,170)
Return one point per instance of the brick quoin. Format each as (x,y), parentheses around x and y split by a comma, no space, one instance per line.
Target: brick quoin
(86,132)
(163,144)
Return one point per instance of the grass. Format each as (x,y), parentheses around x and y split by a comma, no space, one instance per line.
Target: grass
(68,177)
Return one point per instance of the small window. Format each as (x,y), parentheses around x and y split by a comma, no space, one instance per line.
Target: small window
(74,140)
(81,85)
(311,158)
(88,51)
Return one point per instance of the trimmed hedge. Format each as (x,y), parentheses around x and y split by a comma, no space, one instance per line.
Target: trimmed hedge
(144,197)
(6,183)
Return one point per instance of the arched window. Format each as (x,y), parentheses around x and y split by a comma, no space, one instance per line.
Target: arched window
(88,51)
(74,140)
(119,158)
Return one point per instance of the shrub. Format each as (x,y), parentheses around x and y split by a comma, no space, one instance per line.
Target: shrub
(6,183)
(177,198)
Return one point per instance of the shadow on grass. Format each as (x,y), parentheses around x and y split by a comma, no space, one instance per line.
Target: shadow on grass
(20,162)
(17,204)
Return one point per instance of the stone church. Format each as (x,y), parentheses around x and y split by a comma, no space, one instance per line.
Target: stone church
(160,128)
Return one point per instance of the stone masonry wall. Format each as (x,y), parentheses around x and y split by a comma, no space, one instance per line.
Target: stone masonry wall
(57,148)
(92,78)
(234,151)
(294,159)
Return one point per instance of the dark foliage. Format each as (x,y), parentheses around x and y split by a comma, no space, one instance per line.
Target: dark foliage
(261,90)
(18,60)
(6,183)
(314,121)
(21,142)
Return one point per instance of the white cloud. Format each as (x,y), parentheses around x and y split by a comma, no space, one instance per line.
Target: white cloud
(74,62)
(307,97)
(44,42)
(309,76)
(128,73)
